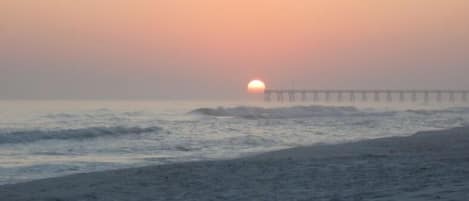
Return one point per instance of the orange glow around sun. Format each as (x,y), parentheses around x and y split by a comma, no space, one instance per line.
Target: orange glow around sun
(256,86)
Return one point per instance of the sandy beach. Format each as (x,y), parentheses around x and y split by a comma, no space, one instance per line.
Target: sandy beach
(431,165)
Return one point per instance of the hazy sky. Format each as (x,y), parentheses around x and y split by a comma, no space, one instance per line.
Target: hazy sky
(211,48)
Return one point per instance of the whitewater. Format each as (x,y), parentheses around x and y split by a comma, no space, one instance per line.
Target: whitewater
(42,139)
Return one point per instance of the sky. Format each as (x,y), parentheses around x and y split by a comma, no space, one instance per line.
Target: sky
(210,49)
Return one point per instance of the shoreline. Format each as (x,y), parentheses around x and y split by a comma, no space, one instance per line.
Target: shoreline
(429,165)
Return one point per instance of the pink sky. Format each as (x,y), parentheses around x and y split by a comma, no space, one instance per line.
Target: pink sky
(212,48)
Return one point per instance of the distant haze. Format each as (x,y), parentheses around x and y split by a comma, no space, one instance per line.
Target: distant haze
(210,49)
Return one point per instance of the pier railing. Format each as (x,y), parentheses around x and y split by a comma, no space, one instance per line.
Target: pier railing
(292,95)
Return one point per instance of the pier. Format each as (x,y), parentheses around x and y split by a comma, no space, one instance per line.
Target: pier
(293,95)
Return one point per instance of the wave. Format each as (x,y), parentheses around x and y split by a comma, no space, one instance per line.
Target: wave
(71,134)
(451,110)
(314,111)
(283,112)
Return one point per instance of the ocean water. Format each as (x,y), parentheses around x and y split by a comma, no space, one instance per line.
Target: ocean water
(41,139)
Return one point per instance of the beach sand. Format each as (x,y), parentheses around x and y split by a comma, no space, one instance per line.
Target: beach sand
(427,166)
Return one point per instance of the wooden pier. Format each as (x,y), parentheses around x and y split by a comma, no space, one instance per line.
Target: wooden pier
(292,95)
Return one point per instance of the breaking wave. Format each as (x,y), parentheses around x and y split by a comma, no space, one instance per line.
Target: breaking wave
(313,111)
(452,110)
(71,134)
(283,112)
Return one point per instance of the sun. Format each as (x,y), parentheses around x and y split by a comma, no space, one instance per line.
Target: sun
(256,86)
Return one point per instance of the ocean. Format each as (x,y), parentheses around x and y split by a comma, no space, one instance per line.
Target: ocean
(42,139)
